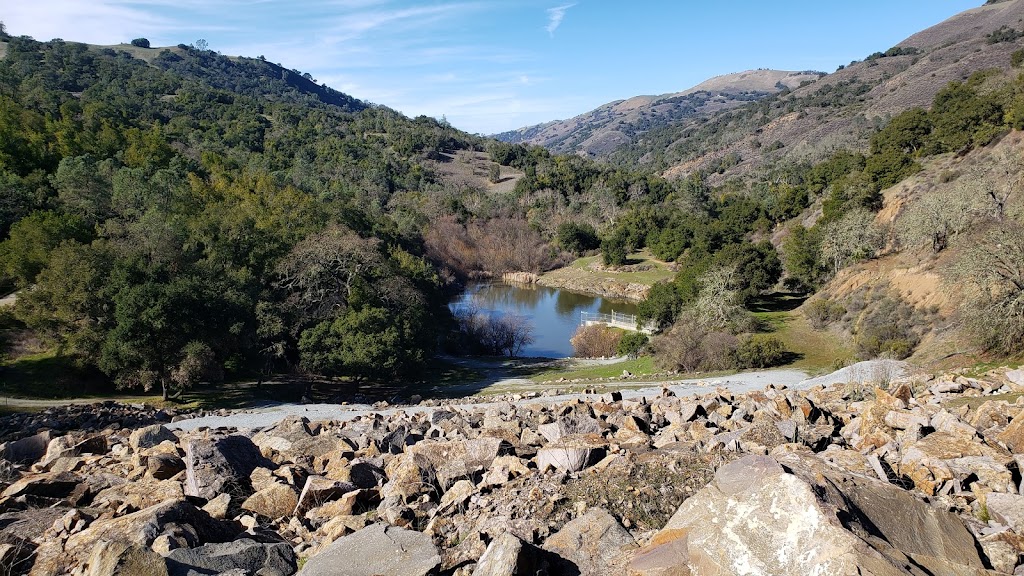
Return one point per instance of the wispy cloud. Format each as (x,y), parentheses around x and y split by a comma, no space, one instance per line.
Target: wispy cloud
(555,17)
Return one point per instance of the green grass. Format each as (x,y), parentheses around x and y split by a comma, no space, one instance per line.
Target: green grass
(815,351)
(659,272)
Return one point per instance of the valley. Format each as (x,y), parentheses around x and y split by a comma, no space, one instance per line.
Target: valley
(252,324)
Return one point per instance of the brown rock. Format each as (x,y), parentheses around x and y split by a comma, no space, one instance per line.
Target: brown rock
(274,501)
(594,543)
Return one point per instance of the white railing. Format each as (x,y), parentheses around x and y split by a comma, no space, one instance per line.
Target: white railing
(618,320)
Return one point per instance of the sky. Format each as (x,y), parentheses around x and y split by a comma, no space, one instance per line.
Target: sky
(496,65)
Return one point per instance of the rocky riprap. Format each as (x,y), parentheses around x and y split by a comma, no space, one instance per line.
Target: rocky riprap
(916,476)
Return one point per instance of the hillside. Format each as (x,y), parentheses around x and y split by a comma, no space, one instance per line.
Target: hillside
(599,132)
(842,109)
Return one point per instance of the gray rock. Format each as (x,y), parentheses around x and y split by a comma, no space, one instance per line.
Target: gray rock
(595,544)
(507,555)
(124,559)
(28,450)
(214,465)
(377,550)
(757,518)
(150,436)
(1007,509)
(247,555)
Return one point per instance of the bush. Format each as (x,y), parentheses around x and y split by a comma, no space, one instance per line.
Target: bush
(577,238)
(1017,58)
(761,352)
(689,347)
(596,341)
(887,330)
(632,344)
(821,312)
(140,43)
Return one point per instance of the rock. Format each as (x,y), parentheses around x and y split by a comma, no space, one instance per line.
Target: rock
(247,555)
(1007,509)
(214,465)
(139,528)
(319,490)
(456,495)
(756,518)
(28,450)
(48,485)
(571,453)
(507,555)
(594,543)
(1013,435)
(150,436)
(274,501)
(164,466)
(123,559)
(218,507)
(377,550)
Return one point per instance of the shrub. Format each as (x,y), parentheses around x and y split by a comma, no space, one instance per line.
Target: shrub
(760,351)
(1017,58)
(821,312)
(577,238)
(140,43)
(632,344)
(887,330)
(596,341)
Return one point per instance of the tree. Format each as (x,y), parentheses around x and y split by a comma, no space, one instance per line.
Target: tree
(1008,178)
(577,238)
(993,266)
(140,43)
(24,254)
(201,45)
(853,237)
(717,307)
(939,216)
(494,173)
(370,342)
(802,255)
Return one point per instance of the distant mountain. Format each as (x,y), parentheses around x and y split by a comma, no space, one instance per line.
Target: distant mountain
(842,109)
(601,131)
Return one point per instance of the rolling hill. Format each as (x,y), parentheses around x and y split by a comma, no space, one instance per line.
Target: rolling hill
(601,131)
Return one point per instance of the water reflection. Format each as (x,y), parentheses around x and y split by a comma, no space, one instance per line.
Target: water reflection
(554,313)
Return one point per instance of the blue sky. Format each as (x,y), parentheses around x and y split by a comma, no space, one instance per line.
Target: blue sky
(490,66)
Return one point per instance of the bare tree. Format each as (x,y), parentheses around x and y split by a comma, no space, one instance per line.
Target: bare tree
(853,237)
(994,266)
(717,306)
(1008,178)
(940,216)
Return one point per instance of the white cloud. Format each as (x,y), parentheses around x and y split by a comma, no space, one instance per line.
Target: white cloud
(555,17)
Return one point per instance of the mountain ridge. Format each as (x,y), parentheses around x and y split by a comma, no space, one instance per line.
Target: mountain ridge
(597,132)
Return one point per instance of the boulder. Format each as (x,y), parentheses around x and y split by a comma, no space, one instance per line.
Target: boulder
(28,450)
(150,436)
(319,490)
(252,557)
(594,543)
(507,555)
(756,518)
(377,550)
(214,465)
(139,528)
(164,466)
(571,453)
(124,559)
(273,501)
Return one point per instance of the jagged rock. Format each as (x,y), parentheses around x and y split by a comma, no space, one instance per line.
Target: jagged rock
(247,555)
(218,507)
(273,501)
(1013,436)
(755,518)
(67,446)
(594,543)
(139,528)
(214,465)
(164,466)
(47,485)
(507,555)
(120,558)
(1007,509)
(571,453)
(377,550)
(319,490)
(150,436)
(28,450)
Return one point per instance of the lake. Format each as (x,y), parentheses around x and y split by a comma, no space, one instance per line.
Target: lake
(554,313)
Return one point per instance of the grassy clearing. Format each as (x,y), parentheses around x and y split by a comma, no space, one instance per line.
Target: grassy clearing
(815,351)
(641,268)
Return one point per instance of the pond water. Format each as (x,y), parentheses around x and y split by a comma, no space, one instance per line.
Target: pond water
(555,314)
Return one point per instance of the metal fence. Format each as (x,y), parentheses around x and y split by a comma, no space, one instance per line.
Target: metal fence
(616,319)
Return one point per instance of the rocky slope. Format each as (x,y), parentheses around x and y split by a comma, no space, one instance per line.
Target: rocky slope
(920,475)
(599,132)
